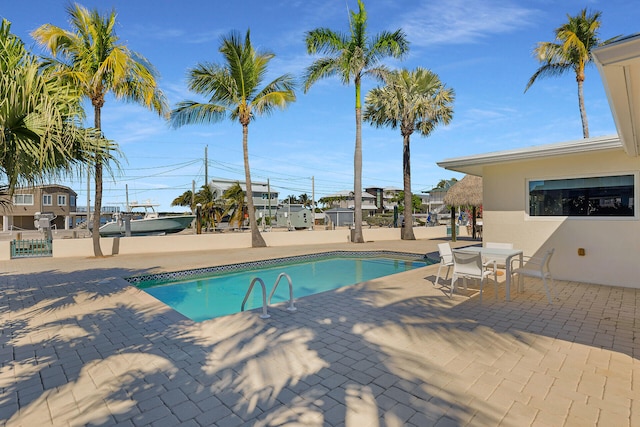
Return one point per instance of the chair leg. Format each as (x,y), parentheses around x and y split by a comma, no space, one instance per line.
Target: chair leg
(481,286)
(495,284)
(546,289)
(453,284)
(438,275)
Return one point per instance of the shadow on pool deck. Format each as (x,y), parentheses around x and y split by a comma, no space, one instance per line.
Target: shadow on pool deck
(393,351)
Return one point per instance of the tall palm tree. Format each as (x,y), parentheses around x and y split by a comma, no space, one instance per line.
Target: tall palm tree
(92,58)
(40,117)
(234,90)
(413,101)
(351,57)
(571,51)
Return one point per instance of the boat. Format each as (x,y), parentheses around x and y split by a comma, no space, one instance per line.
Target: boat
(145,221)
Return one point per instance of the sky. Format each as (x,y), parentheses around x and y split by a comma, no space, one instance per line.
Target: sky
(482,49)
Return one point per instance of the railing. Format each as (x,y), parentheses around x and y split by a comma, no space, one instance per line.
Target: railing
(31,248)
(264,314)
(280,276)
(265,304)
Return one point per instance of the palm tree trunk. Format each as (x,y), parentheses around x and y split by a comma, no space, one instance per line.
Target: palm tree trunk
(256,238)
(97,208)
(357,172)
(583,111)
(407,230)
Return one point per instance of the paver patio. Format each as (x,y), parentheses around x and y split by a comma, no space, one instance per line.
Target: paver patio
(81,347)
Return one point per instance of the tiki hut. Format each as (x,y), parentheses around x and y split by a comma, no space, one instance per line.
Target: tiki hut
(466,192)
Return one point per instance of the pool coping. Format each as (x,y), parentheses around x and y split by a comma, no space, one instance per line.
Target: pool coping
(179,275)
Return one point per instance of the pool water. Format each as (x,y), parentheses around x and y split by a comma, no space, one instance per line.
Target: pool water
(222,293)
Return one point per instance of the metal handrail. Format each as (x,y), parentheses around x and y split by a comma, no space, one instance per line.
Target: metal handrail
(280,276)
(264,314)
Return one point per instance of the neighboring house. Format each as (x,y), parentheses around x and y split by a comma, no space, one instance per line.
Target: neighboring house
(27,201)
(345,199)
(384,197)
(575,195)
(265,199)
(435,199)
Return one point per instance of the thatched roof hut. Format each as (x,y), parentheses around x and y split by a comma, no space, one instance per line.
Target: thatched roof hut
(466,192)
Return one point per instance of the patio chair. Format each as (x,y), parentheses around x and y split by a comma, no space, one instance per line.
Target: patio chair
(537,267)
(470,266)
(446,260)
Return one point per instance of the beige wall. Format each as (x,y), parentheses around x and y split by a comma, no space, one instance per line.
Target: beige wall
(612,245)
(65,248)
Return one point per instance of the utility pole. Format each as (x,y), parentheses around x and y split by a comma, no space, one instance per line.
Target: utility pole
(313,202)
(206,166)
(193,204)
(269,199)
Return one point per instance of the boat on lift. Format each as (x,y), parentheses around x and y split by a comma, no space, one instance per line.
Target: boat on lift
(144,220)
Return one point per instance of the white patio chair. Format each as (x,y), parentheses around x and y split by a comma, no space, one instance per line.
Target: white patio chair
(446,260)
(537,267)
(470,266)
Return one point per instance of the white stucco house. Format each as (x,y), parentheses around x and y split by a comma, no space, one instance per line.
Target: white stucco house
(574,195)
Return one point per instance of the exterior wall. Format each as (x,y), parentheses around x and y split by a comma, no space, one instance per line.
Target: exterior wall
(612,244)
(23,215)
(67,248)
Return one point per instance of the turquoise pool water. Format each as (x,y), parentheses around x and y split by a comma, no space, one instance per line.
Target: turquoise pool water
(221,293)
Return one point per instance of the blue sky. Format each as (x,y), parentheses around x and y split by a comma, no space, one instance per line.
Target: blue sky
(481,49)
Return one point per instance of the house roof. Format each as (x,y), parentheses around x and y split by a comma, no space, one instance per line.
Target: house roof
(474,164)
(619,66)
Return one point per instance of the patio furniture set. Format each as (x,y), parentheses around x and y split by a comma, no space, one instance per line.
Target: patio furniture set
(482,262)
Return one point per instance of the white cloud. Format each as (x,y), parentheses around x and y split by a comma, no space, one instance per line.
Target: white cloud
(464,21)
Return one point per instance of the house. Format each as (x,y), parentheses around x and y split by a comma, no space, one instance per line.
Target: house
(345,199)
(579,197)
(265,199)
(294,216)
(435,200)
(384,197)
(28,201)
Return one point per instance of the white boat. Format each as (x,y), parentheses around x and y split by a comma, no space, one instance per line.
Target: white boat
(146,221)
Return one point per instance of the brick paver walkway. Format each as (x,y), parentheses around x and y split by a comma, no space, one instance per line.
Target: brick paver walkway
(80,347)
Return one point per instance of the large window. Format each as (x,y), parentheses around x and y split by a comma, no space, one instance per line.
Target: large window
(62,200)
(607,196)
(47,199)
(23,199)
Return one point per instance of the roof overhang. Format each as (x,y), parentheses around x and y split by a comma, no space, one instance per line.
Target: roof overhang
(474,164)
(619,66)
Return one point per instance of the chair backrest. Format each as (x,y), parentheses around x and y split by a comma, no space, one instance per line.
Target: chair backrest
(497,245)
(446,255)
(546,259)
(467,264)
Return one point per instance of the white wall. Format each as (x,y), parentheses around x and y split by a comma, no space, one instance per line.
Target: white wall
(612,245)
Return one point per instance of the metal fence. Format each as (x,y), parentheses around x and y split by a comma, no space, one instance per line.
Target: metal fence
(31,248)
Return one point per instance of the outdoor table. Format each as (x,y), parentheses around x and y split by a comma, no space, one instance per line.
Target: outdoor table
(507,254)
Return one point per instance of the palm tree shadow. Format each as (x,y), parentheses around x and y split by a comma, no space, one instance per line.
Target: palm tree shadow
(366,352)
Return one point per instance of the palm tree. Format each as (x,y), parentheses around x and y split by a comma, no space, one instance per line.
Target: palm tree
(234,90)
(234,203)
(350,57)
(410,100)
(91,57)
(40,119)
(209,207)
(571,51)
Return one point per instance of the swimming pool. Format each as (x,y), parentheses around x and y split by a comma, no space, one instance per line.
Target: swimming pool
(218,291)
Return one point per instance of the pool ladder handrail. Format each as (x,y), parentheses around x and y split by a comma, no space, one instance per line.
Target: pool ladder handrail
(264,314)
(275,285)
